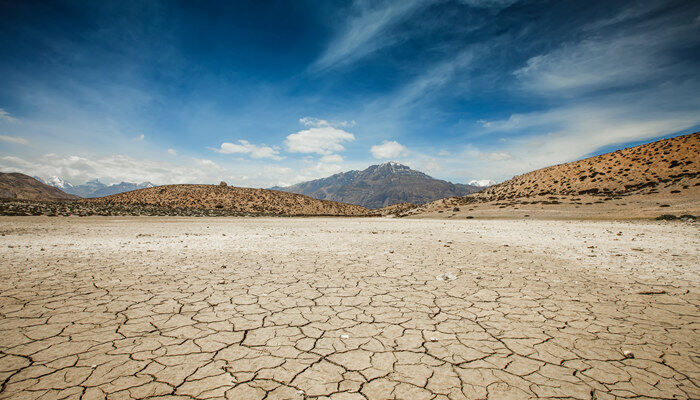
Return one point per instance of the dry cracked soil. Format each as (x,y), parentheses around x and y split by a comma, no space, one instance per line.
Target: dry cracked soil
(253,308)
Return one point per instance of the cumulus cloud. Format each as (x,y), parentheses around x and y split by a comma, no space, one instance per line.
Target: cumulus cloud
(245,147)
(14,139)
(322,140)
(388,149)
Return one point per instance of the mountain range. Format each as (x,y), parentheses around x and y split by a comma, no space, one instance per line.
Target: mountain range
(380,186)
(94,188)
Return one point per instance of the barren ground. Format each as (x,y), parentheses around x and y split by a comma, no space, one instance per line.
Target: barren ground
(348,308)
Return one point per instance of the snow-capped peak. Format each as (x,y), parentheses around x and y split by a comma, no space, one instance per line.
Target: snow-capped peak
(55,181)
(482,183)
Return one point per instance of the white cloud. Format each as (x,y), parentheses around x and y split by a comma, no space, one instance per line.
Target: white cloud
(433,79)
(316,171)
(331,158)
(316,122)
(367,31)
(172,152)
(495,156)
(114,168)
(14,139)
(569,133)
(117,168)
(431,167)
(388,149)
(140,137)
(323,140)
(489,3)
(4,115)
(245,147)
(203,162)
(634,57)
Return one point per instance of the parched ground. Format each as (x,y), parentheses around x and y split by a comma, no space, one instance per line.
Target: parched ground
(348,308)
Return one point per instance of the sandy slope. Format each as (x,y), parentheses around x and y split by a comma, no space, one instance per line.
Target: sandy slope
(645,181)
(347,308)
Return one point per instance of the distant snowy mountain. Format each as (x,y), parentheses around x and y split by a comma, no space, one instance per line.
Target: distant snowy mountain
(57,182)
(482,183)
(94,188)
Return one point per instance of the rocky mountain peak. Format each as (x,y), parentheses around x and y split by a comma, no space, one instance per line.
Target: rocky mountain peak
(379,186)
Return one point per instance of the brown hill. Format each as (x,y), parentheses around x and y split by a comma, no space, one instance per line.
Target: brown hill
(23,187)
(240,200)
(642,181)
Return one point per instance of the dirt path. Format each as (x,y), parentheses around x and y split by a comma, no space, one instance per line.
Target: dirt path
(348,308)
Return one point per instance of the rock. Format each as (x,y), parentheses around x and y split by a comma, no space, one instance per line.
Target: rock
(344,336)
(666,217)
(446,277)
(223,184)
(628,354)
(651,292)
(688,218)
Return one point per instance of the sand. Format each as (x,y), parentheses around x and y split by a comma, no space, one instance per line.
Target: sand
(348,308)
(632,207)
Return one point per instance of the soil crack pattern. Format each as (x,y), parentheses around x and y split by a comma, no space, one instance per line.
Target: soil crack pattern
(351,308)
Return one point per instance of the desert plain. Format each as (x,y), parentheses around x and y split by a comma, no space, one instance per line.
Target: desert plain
(348,308)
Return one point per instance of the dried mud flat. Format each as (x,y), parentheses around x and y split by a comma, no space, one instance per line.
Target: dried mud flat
(347,308)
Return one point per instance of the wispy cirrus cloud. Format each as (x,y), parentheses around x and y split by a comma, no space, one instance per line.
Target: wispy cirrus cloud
(316,122)
(633,54)
(367,31)
(435,78)
(14,140)
(4,115)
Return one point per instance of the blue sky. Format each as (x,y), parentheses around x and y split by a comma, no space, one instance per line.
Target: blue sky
(262,93)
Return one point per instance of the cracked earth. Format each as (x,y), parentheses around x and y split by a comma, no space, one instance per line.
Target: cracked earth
(128,308)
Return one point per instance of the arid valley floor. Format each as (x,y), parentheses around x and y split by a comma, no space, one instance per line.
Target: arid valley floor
(351,308)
